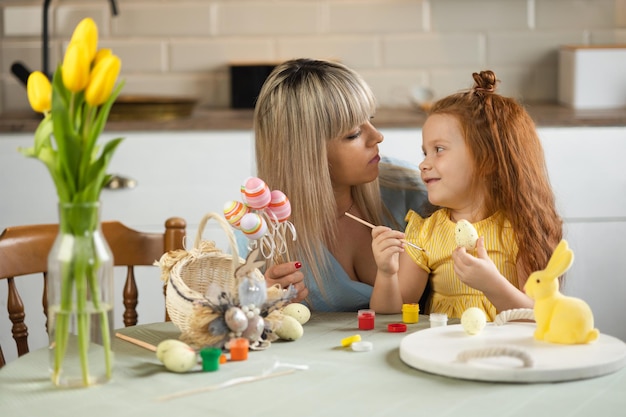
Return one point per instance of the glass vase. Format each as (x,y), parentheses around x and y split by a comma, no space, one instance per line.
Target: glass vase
(80,299)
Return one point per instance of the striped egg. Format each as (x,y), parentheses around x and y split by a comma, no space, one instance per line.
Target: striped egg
(280,205)
(253,226)
(234,211)
(256,193)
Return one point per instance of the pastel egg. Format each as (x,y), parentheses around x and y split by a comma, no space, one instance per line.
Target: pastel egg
(256,193)
(279,205)
(290,329)
(180,359)
(236,319)
(253,226)
(465,234)
(234,211)
(168,344)
(298,311)
(473,320)
(255,328)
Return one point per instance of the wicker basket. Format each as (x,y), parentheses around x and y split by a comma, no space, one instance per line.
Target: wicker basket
(189,274)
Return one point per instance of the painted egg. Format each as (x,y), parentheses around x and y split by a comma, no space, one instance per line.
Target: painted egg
(168,344)
(255,328)
(473,320)
(290,329)
(256,193)
(279,205)
(180,359)
(298,311)
(236,319)
(234,211)
(253,226)
(465,234)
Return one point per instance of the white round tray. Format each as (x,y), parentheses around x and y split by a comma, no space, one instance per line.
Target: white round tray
(435,350)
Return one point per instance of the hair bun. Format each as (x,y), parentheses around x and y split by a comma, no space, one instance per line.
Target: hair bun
(485,81)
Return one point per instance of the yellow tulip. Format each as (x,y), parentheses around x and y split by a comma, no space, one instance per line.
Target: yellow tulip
(102,80)
(76,66)
(86,31)
(104,52)
(39,92)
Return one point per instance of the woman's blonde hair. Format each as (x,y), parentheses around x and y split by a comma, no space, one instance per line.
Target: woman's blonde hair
(509,165)
(303,105)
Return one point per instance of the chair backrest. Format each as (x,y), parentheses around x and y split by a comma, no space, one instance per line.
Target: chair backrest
(24,251)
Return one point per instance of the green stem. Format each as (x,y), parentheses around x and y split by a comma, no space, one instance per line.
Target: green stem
(102,312)
(82,314)
(62,317)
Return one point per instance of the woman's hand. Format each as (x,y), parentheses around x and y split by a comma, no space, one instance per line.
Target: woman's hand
(288,274)
(387,246)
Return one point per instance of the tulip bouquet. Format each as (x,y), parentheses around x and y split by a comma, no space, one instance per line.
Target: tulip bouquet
(76,106)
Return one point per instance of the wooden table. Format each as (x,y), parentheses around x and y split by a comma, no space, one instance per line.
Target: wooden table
(338,382)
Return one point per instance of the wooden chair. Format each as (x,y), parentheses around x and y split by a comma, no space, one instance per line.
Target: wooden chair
(24,251)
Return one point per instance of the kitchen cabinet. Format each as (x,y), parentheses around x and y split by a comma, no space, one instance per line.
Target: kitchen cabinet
(190,173)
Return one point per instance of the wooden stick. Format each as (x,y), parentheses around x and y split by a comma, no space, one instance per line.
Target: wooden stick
(229,383)
(137,342)
(371,226)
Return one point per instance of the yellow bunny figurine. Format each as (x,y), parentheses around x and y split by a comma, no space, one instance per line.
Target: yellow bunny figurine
(560,319)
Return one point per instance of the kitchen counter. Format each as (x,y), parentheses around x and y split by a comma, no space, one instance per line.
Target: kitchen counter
(545,115)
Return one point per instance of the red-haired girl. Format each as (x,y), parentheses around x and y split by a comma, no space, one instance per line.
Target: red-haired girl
(483,162)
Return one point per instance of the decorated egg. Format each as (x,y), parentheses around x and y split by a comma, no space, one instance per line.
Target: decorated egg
(279,205)
(236,319)
(465,234)
(234,211)
(242,189)
(298,311)
(180,359)
(177,356)
(253,226)
(290,329)
(256,193)
(255,328)
(168,344)
(473,320)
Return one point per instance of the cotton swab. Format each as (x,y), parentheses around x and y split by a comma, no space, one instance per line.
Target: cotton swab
(371,226)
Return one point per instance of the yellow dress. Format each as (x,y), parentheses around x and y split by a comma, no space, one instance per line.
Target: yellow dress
(436,235)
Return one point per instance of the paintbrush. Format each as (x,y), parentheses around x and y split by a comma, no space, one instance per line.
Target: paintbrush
(371,226)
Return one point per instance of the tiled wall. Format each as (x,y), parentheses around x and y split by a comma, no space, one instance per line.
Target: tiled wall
(183,47)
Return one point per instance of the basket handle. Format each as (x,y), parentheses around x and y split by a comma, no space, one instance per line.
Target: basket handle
(227,228)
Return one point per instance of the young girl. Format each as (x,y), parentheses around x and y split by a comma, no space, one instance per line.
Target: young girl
(483,162)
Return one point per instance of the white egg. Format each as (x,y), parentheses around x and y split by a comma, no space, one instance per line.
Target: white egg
(473,320)
(290,329)
(298,311)
(180,359)
(465,234)
(168,344)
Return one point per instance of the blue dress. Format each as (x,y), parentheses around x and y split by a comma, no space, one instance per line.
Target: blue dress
(340,292)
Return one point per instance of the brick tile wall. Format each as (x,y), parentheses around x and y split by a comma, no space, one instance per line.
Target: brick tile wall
(183,47)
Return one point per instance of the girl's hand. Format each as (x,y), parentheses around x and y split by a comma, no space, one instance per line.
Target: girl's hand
(287,274)
(478,272)
(387,246)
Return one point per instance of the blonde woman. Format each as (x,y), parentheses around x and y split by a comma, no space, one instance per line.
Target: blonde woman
(315,142)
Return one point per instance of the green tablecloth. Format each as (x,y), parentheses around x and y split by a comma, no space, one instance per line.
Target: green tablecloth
(338,382)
